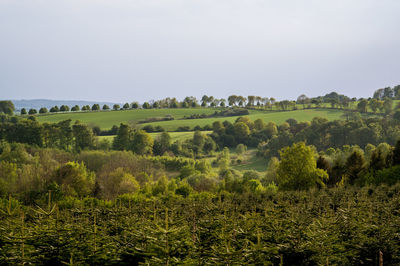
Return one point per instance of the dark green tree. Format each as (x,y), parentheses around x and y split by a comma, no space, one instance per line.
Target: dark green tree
(95,107)
(387,105)
(146,105)
(43,110)
(83,137)
(362,106)
(162,143)
(64,108)
(7,107)
(122,141)
(32,111)
(142,142)
(198,141)
(75,108)
(396,154)
(54,109)
(355,164)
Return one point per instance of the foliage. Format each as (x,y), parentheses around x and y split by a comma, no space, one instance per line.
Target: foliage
(7,107)
(298,169)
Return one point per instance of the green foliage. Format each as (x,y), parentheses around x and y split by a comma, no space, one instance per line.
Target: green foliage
(123,138)
(75,180)
(8,177)
(142,142)
(43,110)
(355,164)
(83,136)
(107,119)
(118,182)
(7,107)
(337,226)
(298,169)
(241,148)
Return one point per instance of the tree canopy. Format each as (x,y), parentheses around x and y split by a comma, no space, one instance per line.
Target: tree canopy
(298,168)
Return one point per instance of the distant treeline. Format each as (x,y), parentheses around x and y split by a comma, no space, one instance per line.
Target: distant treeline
(334,99)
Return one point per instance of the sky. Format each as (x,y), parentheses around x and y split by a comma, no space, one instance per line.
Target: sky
(138,50)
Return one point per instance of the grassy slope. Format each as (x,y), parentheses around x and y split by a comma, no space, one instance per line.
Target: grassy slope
(182,136)
(274,116)
(250,162)
(106,119)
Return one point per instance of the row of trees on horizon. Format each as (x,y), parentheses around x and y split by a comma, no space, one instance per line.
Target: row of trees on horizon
(334,99)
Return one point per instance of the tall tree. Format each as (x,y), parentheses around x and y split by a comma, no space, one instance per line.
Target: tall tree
(162,143)
(55,109)
(43,110)
(122,141)
(32,111)
(298,168)
(387,105)
(362,106)
(83,137)
(232,100)
(355,163)
(95,107)
(64,108)
(302,99)
(142,143)
(7,107)
(396,154)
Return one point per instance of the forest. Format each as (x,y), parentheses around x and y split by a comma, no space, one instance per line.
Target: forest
(72,193)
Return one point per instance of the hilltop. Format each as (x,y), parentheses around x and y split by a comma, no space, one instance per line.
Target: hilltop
(38,103)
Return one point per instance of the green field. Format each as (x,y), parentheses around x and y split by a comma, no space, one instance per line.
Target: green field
(268,116)
(105,120)
(182,136)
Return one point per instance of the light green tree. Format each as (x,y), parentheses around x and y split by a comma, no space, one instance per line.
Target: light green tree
(142,142)
(75,180)
(118,182)
(298,168)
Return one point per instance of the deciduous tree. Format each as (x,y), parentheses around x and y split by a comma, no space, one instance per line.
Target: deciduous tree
(298,168)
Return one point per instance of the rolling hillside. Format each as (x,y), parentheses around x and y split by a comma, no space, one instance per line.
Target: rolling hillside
(105,120)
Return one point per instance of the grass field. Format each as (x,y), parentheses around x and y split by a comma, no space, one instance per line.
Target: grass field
(106,119)
(274,116)
(182,136)
(250,162)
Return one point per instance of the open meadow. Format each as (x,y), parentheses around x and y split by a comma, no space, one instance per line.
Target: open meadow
(106,119)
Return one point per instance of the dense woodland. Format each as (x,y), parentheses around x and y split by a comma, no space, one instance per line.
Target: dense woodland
(330,194)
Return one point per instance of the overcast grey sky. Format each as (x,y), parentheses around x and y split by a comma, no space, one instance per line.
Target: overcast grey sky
(126,50)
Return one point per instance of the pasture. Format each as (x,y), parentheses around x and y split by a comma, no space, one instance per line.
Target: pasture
(182,136)
(268,116)
(106,119)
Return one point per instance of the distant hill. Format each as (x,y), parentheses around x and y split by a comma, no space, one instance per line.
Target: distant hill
(38,103)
